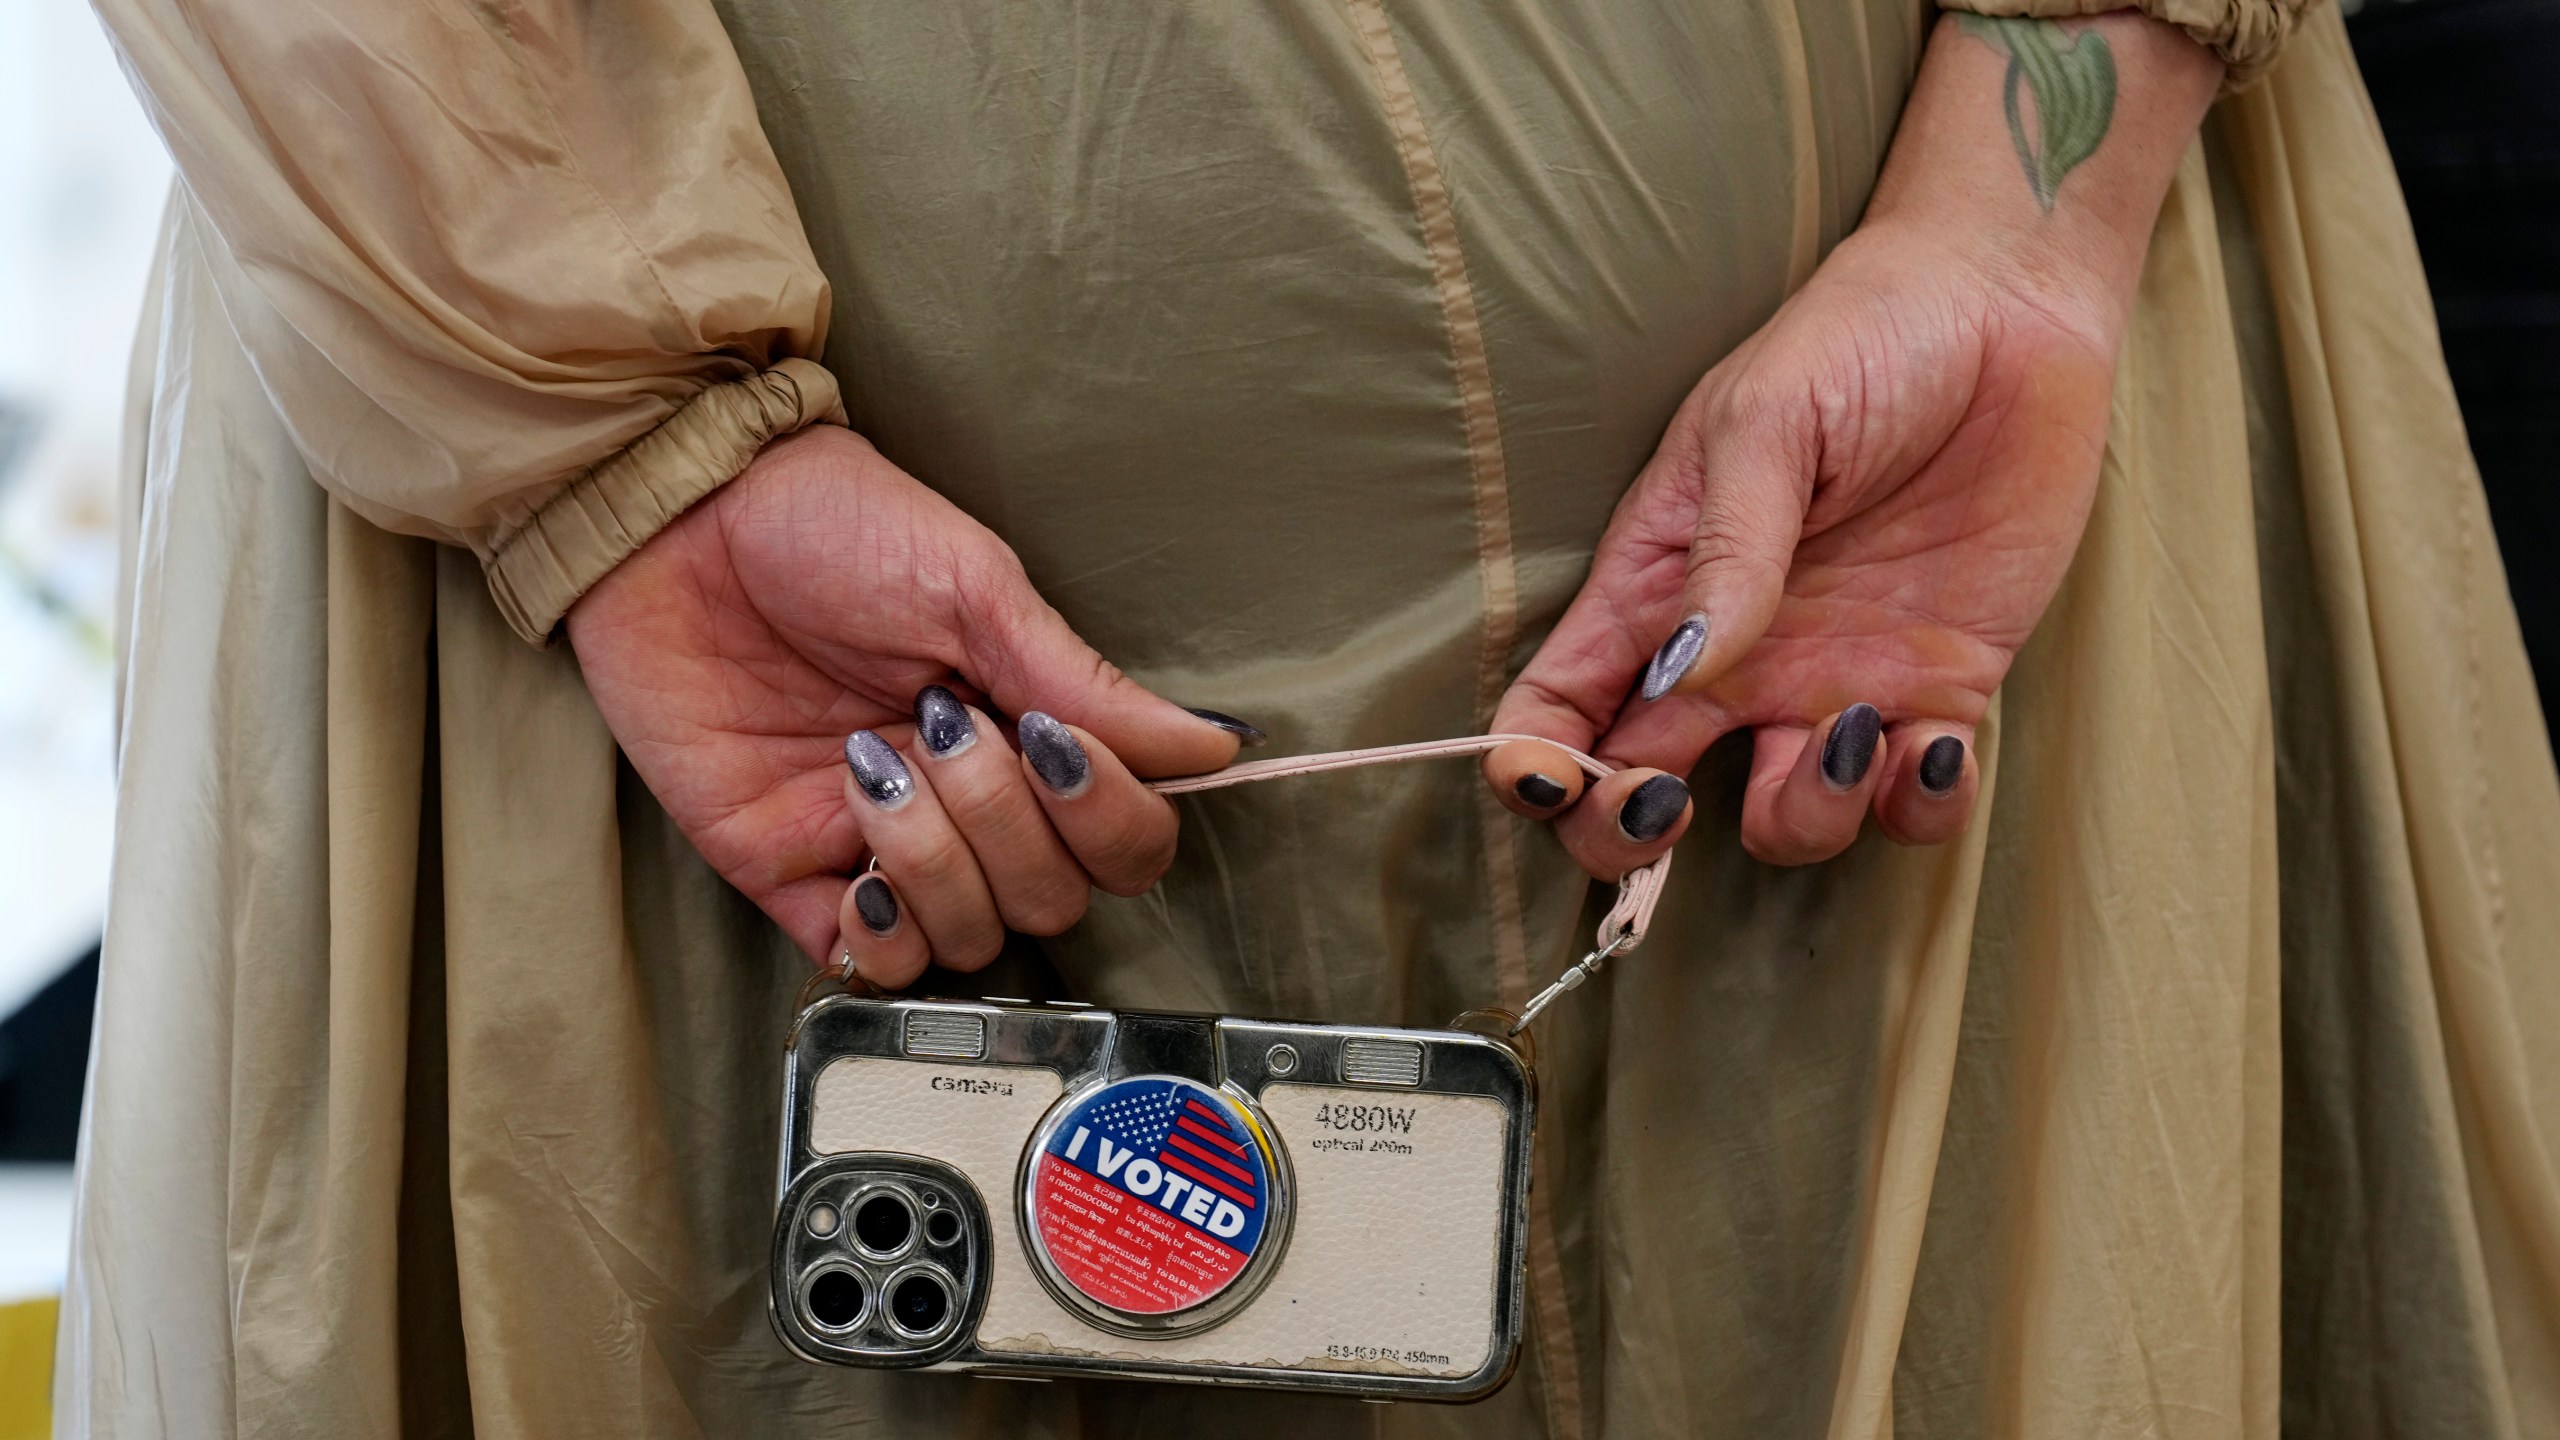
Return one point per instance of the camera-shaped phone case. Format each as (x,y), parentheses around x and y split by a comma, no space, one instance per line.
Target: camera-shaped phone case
(1044,1190)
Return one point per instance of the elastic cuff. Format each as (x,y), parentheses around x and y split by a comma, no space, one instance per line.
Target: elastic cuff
(539,570)
(2247,34)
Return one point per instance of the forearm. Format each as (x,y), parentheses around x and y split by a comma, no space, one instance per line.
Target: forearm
(2047,145)
(534,286)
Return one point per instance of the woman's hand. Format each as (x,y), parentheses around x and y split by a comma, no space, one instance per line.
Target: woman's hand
(1858,517)
(791,668)
(1851,526)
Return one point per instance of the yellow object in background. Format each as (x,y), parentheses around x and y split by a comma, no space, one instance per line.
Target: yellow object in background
(26,1369)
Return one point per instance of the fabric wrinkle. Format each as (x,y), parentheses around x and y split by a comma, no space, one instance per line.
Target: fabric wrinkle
(2192,1090)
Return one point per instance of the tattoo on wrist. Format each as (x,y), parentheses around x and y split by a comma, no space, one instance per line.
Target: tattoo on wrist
(2072,79)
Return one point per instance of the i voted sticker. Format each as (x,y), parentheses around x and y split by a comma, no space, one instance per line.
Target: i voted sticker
(1152,1195)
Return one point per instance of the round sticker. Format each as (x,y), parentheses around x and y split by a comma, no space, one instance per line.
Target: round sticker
(1152,1194)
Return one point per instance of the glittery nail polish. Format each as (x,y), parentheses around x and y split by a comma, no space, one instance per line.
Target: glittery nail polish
(1676,656)
(1538,792)
(1055,754)
(1651,808)
(876,903)
(878,771)
(1942,765)
(943,723)
(1245,731)
(1851,746)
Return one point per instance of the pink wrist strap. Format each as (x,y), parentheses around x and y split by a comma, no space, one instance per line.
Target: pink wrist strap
(1621,930)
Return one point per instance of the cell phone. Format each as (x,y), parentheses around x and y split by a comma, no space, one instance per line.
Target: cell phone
(1039,1190)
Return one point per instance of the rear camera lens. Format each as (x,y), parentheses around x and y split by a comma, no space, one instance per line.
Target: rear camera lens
(883,1223)
(835,1299)
(918,1304)
(942,1227)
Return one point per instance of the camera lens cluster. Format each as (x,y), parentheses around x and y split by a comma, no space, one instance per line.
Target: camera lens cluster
(884,1261)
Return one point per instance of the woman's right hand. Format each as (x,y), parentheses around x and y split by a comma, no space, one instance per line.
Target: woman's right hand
(791,667)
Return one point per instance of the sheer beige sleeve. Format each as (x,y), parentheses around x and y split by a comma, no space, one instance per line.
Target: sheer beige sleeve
(521,275)
(2247,34)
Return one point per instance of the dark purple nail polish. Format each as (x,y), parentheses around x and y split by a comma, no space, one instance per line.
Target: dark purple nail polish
(1245,731)
(1538,791)
(1651,807)
(1942,765)
(1055,755)
(1676,656)
(878,771)
(876,903)
(1852,746)
(943,723)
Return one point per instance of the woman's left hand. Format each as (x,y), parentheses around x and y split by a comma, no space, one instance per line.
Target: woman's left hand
(1858,517)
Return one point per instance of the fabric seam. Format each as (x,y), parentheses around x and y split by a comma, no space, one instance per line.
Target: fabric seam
(1472,362)
(1492,501)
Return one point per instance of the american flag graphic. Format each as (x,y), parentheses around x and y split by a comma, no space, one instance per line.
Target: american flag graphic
(1152,1194)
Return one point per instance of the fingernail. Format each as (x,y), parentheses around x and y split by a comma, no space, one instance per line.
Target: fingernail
(1538,791)
(1852,745)
(878,770)
(1942,765)
(1055,755)
(1650,809)
(943,723)
(1244,730)
(876,903)
(1675,657)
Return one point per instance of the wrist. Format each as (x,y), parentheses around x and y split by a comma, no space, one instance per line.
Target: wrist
(2039,153)
(2080,279)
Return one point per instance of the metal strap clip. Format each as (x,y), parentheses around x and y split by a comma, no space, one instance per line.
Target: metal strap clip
(1573,977)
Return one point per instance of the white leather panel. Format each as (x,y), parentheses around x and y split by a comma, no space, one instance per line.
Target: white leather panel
(974,1117)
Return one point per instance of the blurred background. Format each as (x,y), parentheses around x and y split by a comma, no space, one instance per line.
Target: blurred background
(82,182)
(2468,92)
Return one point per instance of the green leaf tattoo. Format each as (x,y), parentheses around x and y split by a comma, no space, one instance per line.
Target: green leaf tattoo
(2074,80)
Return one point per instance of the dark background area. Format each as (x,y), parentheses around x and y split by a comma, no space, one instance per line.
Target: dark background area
(44,1058)
(2469,96)
(2468,92)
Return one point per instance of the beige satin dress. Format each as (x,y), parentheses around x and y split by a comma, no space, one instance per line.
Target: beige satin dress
(2208,1086)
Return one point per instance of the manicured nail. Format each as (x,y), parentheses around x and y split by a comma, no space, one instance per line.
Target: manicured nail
(1852,745)
(1244,730)
(1538,791)
(1675,657)
(878,770)
(1942,765)
(876,903)
(1055,755)
(943,723)
(1651,808)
